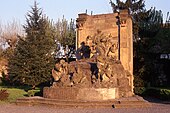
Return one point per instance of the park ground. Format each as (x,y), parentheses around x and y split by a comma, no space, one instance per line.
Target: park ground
(12,108)
(9,106)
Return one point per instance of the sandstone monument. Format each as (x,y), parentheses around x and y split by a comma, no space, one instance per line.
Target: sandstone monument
(98,73)
(88,25)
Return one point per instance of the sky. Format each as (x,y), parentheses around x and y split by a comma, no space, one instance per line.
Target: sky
(17,9)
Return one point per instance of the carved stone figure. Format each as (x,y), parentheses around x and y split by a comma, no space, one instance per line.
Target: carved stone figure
(97,73)
(60,70)
(101,71)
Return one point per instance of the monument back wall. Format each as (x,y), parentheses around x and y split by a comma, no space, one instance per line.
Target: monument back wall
(88,25)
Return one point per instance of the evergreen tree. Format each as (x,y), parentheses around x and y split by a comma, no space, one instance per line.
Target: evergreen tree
(136,9)
(144,51)
(151,23)
(133,5)
(147,25)
(33,60)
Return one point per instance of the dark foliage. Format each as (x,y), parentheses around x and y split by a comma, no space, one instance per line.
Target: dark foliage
(151,38)
(33,60)
(163,94)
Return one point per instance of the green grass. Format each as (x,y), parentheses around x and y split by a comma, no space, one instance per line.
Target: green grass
(15,93)
(3,102)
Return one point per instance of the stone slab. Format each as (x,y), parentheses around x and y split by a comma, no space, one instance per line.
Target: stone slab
(130,102)
(87,94)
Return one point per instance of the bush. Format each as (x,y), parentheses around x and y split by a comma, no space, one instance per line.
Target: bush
(32,93)
(139,90)
(163,94)
(138,81)
(3,94)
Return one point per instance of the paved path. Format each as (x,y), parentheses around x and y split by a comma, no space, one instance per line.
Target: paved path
(11,108)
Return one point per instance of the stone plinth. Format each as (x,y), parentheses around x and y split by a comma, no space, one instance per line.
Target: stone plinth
(85,94)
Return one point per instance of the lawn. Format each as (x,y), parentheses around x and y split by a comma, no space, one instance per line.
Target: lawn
(17,92)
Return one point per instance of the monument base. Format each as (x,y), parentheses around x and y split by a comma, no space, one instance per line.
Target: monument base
(128,102)
(85,94)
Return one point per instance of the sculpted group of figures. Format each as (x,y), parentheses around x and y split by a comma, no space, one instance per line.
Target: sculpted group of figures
(96,65)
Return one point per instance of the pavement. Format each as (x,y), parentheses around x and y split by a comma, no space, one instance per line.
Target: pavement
(157,106)
(12,108)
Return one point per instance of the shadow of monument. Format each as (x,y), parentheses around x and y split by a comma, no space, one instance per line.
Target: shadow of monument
(155,100)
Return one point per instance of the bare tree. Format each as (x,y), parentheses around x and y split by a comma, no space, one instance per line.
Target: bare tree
(1,40)
(9,34)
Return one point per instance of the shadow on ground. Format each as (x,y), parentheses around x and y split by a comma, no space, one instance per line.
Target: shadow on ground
(155,100)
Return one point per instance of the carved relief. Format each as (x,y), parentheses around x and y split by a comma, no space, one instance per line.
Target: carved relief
(101,69)
(123,23)
(97,64)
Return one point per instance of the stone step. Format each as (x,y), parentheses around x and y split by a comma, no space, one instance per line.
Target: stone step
(60,103)
(63,101)
(84,104)
(132,105)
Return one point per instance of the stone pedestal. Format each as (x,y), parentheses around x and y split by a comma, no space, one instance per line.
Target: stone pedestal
(84,94)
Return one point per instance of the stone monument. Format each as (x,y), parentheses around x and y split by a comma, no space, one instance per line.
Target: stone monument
(97,74)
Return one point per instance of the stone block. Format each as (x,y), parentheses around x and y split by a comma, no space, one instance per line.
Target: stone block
(123,82)
(85,94)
